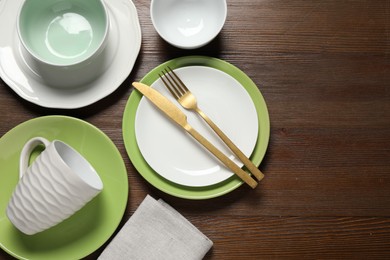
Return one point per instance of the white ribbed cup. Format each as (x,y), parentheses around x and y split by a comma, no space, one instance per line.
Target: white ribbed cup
(57,184)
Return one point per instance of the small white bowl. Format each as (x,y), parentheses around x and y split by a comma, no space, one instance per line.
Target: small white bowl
(188,24)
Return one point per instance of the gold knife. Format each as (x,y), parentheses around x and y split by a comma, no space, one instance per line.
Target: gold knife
(175,114)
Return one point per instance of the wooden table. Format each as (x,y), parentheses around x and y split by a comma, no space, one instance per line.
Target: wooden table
(323,68)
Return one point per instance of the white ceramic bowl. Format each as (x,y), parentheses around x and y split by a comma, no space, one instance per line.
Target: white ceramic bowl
(188,24)
(64,38)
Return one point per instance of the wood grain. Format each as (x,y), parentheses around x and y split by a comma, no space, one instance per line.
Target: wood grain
(323,68)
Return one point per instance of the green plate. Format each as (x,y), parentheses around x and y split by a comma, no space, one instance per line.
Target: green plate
(172,188)
(87,229)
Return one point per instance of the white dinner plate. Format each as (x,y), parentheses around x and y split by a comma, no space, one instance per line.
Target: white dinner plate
(174,154)
(121,52)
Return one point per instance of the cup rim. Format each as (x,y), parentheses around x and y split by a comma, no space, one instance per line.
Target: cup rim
(97,51)
(97,183)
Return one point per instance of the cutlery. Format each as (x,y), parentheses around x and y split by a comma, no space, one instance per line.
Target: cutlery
(187,100)
(177,116)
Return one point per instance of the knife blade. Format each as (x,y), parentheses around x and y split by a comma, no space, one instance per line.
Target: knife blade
(177,116)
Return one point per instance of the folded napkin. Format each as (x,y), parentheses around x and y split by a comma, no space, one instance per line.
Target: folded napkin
(157,231)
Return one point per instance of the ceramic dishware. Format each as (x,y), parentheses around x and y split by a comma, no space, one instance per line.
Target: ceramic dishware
(160,166)
(120,54)
(180,118)
(188,100)
(188,24)
(64,38)
(56,185)
(89,228)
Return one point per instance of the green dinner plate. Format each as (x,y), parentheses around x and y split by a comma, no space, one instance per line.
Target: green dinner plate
(172,188)
(90,227)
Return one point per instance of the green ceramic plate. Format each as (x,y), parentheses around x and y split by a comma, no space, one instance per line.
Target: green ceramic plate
(89,228)
(172,188)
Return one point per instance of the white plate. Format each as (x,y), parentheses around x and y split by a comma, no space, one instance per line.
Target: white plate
(172,153)
(121,53)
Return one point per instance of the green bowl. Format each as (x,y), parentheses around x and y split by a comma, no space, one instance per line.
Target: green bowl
(63,32)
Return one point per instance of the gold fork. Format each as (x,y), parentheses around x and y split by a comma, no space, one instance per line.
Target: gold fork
(187,100)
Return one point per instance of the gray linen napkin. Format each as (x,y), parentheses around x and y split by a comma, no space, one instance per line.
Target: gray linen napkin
(157,231)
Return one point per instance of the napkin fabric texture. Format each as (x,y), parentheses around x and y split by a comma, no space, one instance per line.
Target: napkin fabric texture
(157,231)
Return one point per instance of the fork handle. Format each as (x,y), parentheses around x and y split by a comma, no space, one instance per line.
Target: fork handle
(245,160)
(223,158)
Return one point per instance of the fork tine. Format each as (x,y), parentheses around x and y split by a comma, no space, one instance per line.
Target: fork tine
(174,83)
(179,81)
(169,87)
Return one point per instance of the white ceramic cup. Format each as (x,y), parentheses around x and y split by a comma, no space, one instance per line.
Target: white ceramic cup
(64,40)
(57,184)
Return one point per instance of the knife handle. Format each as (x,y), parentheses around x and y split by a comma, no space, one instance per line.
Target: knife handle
(245,160)
(222,157)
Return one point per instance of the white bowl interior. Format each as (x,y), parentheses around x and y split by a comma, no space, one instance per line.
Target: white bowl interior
(188,23)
